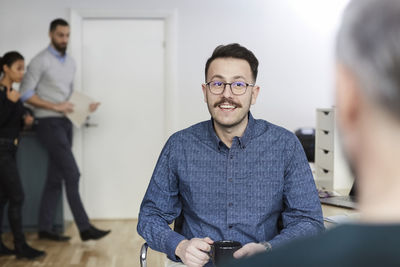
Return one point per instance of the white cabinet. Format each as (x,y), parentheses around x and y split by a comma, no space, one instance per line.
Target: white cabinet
(332,171)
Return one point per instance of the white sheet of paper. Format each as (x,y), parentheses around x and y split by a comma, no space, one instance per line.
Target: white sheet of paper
(81,108)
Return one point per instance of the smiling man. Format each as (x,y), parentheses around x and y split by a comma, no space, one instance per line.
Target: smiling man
(232,177)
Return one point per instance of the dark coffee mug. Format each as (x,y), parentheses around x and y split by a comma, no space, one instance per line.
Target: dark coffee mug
(222,251)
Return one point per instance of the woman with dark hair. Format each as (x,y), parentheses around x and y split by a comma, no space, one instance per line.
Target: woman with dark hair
(12,118)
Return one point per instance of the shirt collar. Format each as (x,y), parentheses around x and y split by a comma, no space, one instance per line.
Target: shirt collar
(243,141)
(248,133)
(57,54)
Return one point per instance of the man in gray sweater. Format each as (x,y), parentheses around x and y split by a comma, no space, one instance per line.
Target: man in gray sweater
(47,86)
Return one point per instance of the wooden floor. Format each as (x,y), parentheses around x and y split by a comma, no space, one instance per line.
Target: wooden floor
(119,249)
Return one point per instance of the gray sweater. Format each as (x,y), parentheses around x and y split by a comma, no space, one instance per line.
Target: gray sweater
(50,79)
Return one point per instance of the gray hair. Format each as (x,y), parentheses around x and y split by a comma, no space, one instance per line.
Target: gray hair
(368,43)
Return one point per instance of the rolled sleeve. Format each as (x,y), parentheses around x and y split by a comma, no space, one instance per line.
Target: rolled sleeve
(32,77)
(28,94)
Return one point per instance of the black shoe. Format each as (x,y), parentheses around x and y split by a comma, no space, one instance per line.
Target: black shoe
(93,233)
(25,251)
(53,236)
(5,251)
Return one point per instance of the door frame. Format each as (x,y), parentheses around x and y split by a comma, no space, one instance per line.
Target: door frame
(77,16)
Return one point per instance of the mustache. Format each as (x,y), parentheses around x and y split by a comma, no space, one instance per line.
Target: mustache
(227,100)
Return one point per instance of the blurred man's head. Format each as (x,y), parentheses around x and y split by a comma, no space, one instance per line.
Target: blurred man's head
(368,73)
(59,35)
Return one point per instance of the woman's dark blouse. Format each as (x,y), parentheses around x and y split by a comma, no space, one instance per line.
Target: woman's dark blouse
(11,115)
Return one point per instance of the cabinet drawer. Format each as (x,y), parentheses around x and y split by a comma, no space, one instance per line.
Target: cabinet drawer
(325,120)
(324,173)
(324,139)
(324,158)
(324,178)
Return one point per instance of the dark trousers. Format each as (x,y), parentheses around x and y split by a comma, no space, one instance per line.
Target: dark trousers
(11,190)
(56,136)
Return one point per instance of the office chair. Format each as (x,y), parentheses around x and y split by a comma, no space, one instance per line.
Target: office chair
(143,250)
(306,137)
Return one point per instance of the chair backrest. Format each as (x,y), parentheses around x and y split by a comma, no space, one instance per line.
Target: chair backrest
(178,223)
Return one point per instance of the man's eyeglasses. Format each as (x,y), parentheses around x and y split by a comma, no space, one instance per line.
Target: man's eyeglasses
(237,88)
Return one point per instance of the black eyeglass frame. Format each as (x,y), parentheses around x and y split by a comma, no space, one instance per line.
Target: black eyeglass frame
(230,87)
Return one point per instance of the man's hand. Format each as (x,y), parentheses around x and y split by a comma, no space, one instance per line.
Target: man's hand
(93,106)
(64,107)
(28,121)
(193,252)
(13,95)
(249,250)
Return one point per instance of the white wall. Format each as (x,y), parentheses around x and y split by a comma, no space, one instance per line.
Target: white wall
(292,39)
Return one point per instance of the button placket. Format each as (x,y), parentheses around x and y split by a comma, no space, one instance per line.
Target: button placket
(230,190)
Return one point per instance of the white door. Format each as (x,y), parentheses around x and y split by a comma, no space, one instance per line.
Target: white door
(123,68)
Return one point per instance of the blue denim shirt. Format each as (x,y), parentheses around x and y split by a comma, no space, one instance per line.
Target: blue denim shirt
(236,193)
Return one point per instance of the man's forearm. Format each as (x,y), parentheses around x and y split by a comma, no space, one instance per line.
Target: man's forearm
(308,227)
(159,235)
(36,101)
(63,107)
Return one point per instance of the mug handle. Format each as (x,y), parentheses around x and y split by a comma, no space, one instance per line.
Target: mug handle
(211,253)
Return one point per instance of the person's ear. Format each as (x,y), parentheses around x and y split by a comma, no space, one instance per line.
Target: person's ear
(6,69)
(348,99)
(254,93)
(204,88)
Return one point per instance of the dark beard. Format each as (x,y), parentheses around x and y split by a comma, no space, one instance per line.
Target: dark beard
(59,48)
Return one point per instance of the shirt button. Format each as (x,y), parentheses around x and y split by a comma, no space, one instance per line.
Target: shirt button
(230,204)
(231,156)
(230,226)
(230,180)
